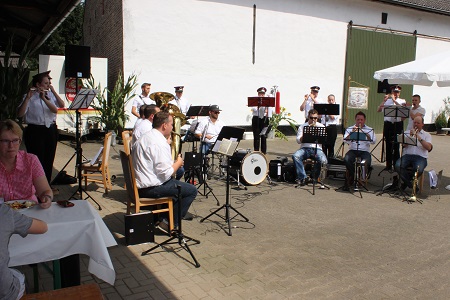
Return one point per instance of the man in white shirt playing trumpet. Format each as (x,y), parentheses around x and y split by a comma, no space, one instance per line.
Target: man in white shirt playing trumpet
(414,156)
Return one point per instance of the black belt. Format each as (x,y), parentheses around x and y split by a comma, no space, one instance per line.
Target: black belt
(393,122)
(53,124)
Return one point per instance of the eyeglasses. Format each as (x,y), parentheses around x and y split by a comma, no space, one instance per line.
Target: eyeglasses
(313,118)
(14,142)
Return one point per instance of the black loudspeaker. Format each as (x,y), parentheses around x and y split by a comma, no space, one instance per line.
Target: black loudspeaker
(78,61)
(383,87)
(139,228)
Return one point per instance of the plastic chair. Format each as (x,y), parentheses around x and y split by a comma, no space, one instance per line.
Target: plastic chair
(133,195)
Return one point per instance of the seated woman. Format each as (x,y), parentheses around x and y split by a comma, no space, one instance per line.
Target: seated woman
(21,174)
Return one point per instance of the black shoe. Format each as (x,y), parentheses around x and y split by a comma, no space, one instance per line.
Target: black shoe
(188,217)
(163,227)
(300,182)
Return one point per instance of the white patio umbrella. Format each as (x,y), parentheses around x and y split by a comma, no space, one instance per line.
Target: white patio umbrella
(424,71)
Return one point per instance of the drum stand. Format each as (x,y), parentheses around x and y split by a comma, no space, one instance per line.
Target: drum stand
(227,206)
(177,233)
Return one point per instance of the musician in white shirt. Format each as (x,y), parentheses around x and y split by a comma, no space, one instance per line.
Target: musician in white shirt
(154,167)
(392,126)
(181,102)
(260,120)
(209,128)
(310,100)
(142,99)
(146,124)
(331,122)
(414,156)
(358,148)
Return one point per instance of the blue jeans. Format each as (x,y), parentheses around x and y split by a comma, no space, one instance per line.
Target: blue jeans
(304,153)
(169,189)
(410,161)
(350,158)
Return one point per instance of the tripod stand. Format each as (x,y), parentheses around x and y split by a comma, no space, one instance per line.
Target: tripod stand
(204,174)
(227,206)
(82,100)
(357,136)
(177,234)
(390,131)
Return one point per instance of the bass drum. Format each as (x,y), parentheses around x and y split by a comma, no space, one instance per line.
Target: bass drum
(253,166)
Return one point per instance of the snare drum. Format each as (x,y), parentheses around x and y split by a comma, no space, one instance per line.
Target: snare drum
(253,165)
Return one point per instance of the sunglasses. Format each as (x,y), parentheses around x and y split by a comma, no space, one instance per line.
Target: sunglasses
(216,112)
(313,118)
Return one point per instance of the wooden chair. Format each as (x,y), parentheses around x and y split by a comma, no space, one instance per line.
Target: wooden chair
(99,172)
(81,292)
(126,138)
(133,195)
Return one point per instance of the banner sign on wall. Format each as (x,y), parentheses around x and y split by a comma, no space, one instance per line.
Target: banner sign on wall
(358,97)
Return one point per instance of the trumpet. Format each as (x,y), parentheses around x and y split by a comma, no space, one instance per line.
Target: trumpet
(414,187)
(413,132)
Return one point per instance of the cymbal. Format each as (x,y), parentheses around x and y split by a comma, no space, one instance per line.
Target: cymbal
(161,97)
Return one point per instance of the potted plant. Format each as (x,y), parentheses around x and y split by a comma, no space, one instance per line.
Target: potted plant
(275,120)
(110,105)
(440,122)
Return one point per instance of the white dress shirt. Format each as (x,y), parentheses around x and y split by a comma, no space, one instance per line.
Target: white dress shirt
(390,102)
(141,100)
(152,160)
(310,104)
(300,135)
(261,113)
(420,110)
(419,149)
(206,127)
(140,129)
(361,145)
(37,112)
(182,103)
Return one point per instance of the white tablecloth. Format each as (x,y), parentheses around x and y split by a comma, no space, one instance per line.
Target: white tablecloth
(71,230)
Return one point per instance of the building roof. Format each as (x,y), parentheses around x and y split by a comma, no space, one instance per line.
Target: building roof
(433,6)
(31,19)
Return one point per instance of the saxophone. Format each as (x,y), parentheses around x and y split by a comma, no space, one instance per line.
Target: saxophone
(415,183)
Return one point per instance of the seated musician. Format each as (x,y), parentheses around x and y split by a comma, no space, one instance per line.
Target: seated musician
(414,156)
(154,167)
(21,174)
(308,150)
(209,128)
(359,149)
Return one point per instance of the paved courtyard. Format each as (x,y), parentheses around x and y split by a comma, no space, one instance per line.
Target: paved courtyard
(331,245)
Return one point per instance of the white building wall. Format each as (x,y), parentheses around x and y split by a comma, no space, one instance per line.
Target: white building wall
(207,47)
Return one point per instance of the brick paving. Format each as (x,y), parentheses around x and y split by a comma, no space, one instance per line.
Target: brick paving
(334,245)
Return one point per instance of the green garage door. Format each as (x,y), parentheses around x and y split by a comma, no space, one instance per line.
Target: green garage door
(370,51)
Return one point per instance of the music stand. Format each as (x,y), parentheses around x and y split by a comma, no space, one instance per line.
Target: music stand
(262,102)
(394,111)
(227,148)
(196,111)
(359,135)
(326,110)
(82,101)
(314,135)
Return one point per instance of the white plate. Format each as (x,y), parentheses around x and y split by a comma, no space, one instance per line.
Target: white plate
(27,203)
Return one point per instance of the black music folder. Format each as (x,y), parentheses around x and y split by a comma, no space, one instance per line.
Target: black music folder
(139,228)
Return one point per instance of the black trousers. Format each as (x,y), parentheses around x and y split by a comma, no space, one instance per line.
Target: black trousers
(328,147)
(257,125)
(42,141)
(390,131)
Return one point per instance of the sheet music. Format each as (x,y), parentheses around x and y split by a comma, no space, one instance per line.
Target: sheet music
(227,147)
(95,159)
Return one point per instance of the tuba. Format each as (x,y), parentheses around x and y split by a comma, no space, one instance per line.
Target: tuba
(162,100)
